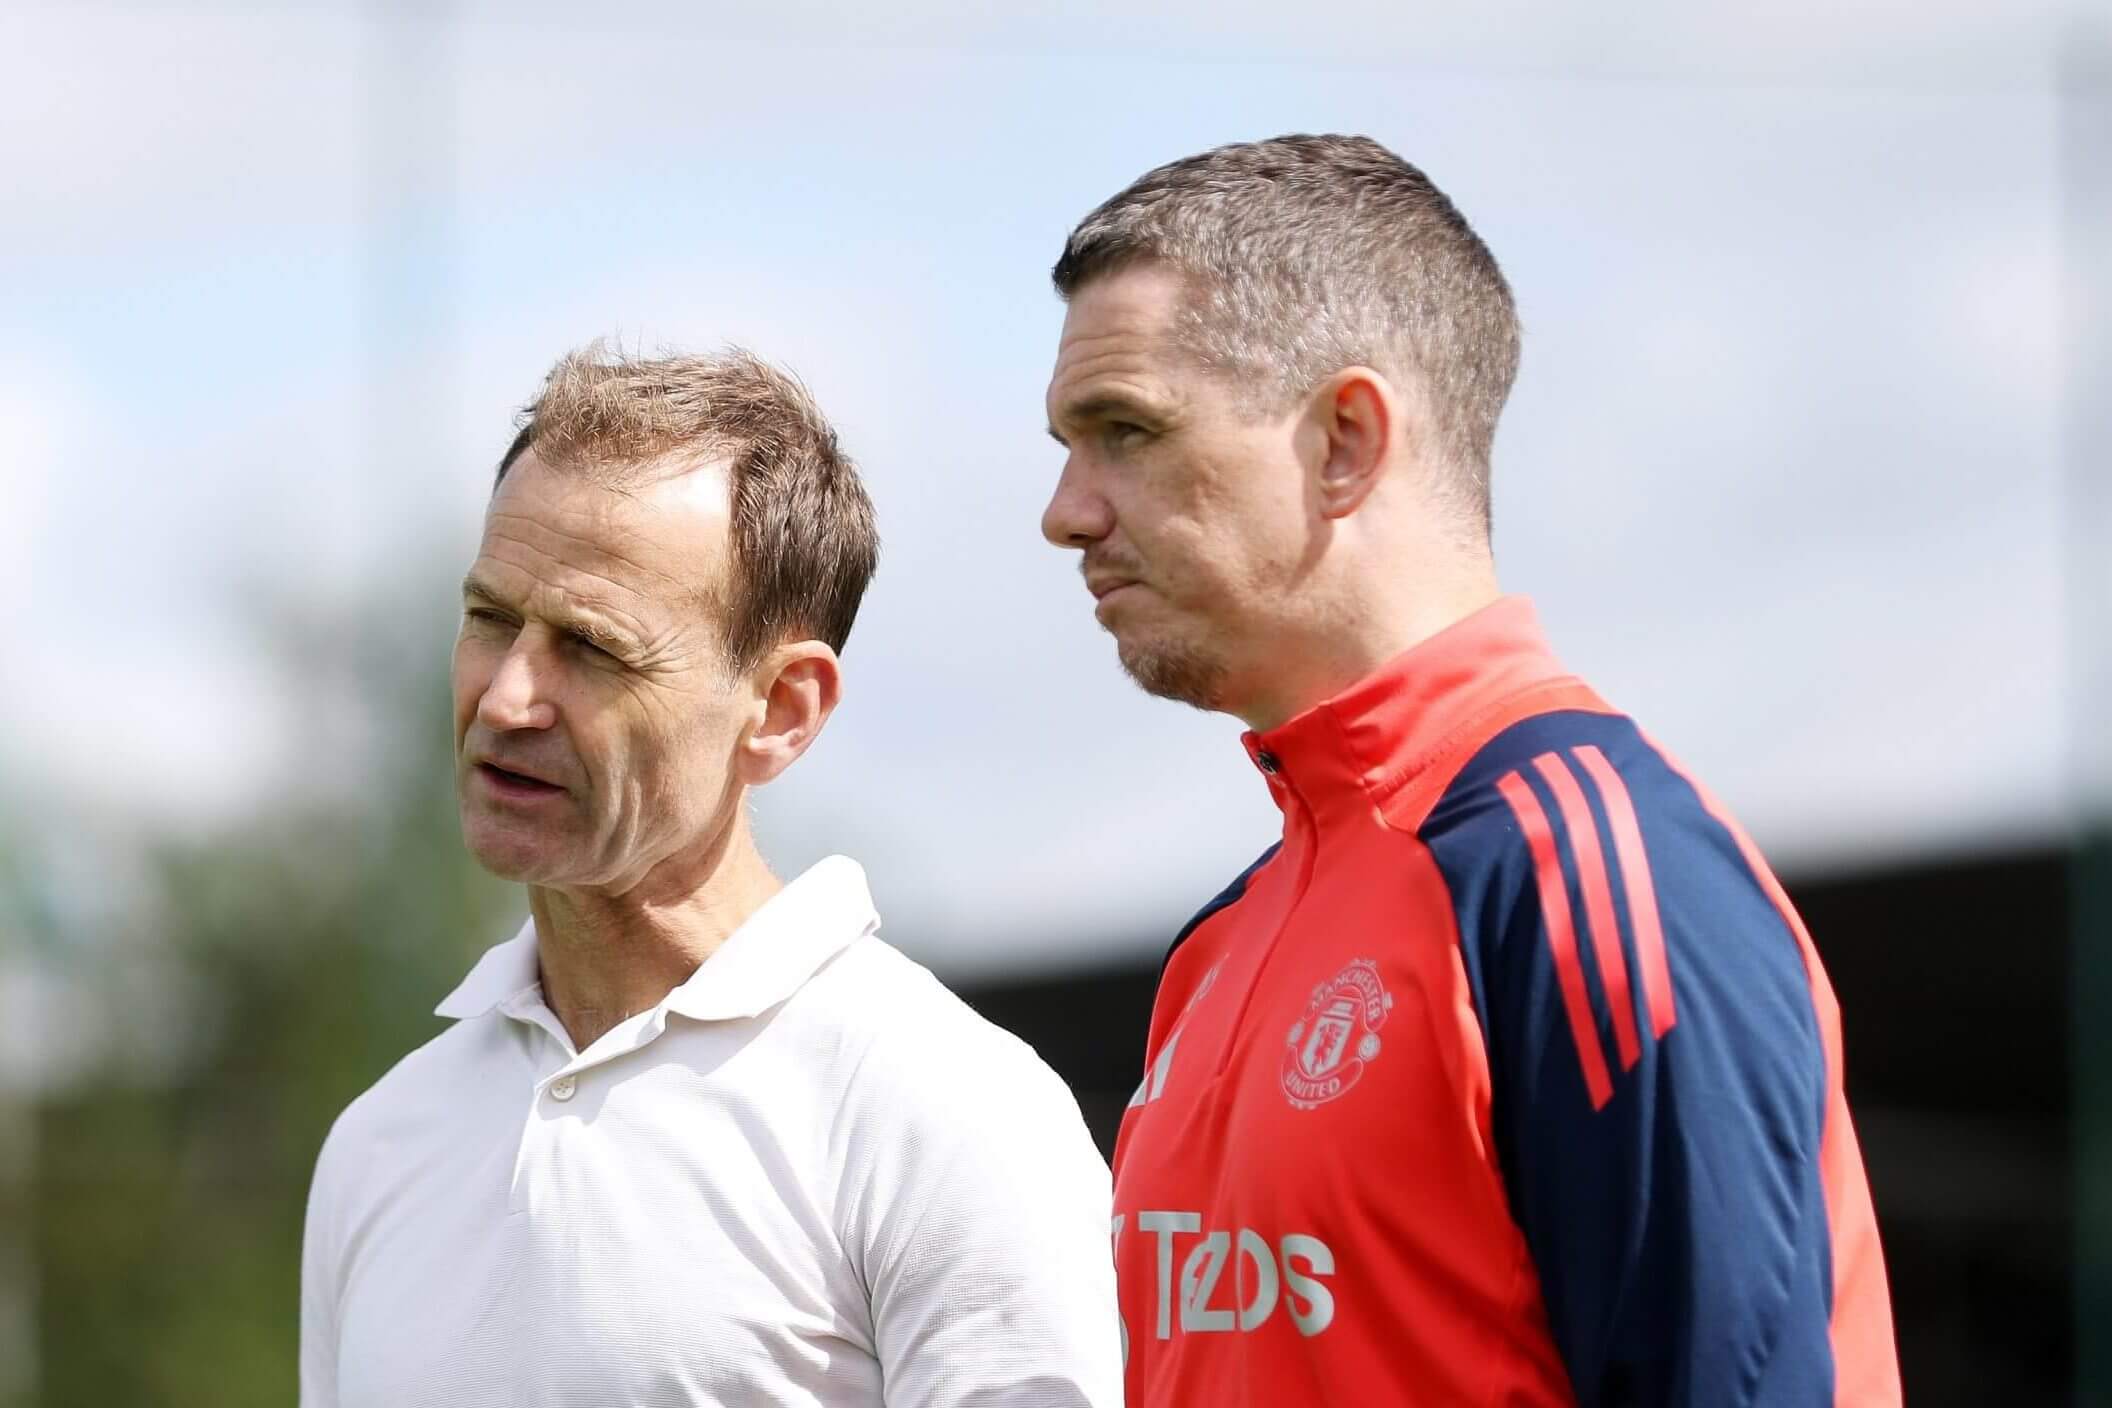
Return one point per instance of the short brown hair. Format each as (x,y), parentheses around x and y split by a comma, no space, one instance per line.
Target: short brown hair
(1309,254)
(803,537)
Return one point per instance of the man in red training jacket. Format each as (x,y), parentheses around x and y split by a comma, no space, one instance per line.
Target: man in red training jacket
(1508,1076)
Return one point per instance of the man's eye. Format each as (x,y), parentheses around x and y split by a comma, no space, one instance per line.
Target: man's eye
(1122,432)
(587,644)
(486,615)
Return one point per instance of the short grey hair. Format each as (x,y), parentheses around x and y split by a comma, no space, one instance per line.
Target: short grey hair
(1308,254)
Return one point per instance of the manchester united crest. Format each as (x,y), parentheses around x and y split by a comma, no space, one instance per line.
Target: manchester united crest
(1329,1047)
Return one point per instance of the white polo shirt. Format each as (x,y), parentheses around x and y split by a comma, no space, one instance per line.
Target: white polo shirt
(811,1175)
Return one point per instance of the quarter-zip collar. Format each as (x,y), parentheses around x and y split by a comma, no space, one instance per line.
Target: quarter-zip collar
(1349,755)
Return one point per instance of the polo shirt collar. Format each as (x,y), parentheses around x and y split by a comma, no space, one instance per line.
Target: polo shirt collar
(506,973)
(770,957)
(786,942)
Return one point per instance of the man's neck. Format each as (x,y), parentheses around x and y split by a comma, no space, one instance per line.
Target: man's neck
(606,957)
(1373,628)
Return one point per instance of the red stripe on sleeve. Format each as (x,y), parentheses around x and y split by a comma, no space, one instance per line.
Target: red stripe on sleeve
(1561,936)
(1598,901)
(1642,890)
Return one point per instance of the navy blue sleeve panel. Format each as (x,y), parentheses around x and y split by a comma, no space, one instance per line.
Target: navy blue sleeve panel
(1224,899)
(1659,1090)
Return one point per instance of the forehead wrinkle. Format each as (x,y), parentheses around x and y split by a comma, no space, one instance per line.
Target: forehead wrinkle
(595,549)
(1118,369)
(586,591)
(1117,344)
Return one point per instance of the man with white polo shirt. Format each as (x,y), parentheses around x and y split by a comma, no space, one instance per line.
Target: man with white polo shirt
(696,1136)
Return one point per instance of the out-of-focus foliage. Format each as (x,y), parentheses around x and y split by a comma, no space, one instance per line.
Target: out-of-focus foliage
(312,943)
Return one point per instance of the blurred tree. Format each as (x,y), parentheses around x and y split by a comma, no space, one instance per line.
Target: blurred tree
(313,943)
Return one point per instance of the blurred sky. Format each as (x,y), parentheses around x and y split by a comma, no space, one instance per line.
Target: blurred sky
(1783,468)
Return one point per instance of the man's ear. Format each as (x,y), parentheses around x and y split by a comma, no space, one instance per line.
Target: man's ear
(1361,420)
(797,687)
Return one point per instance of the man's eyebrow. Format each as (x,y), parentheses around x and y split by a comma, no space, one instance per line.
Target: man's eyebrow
(472,587)
(616,642)
(613,641)
(1100,405)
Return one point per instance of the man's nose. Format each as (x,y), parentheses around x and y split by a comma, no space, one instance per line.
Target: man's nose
(1078,515)
(517,696)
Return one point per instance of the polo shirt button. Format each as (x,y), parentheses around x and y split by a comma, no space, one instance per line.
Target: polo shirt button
(562,1088)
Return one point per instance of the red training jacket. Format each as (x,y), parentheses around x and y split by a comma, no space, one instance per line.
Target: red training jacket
(1509,1077)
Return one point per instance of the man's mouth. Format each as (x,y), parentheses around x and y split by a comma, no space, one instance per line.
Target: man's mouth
(1107,595)
(508,783)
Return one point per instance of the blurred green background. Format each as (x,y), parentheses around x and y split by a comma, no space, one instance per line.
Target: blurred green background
(254,980)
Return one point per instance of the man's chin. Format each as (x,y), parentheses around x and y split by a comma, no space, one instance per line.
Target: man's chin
(518,870)
(1171,672)
(526,860)
(511,865)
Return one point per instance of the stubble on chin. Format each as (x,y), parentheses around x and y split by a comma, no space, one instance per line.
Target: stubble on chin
(1168,670)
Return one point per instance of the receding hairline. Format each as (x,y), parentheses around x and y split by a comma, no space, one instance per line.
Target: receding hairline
(626,475)
(625,415)
(802,543)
